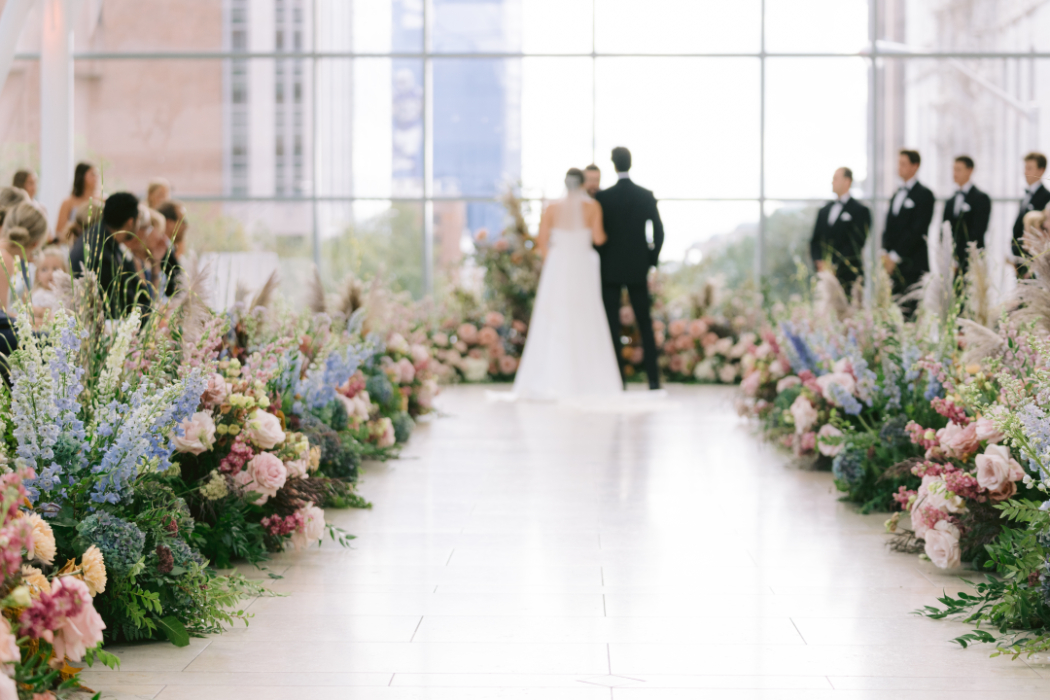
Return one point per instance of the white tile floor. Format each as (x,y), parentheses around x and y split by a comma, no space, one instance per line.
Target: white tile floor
(527,551)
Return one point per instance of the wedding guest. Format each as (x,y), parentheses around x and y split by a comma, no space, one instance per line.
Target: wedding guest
(26,180)
(23,231)
(101,249)
(1036,196)
(158,192)
(51,260)
(9,197)
(87,216)
(968,211)
(154,255)
(592,179)
(175,218)
(840,232)
(85,186)
(907,225)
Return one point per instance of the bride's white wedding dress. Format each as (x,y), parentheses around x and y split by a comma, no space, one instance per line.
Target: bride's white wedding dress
(568,353)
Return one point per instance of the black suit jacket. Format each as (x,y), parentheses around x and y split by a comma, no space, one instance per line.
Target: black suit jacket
(122,288)
(906,234)
(970,223)
(842,241)
(1039,199)
(626,256)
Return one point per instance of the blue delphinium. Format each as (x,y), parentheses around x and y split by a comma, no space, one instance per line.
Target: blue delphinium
(317,389)
(842,397)
(910,364)
(867,381)
(798,351)
(1036,429)
(120,542)
(891,373)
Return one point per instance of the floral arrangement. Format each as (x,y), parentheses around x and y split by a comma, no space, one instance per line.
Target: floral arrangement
(485,347)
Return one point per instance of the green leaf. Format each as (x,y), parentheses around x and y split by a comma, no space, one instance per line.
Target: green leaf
(174,630)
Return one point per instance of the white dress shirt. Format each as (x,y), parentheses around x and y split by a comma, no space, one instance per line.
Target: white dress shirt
(836,209)
(902,194)
(623,176)
(960,197)
(1028,192)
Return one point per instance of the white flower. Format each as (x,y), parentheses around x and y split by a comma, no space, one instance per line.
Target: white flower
(829,440)
(705,371)
(312,529)
(938,496)
(264,429)
(475,369)
(804,414)
(727,374)
(198,434)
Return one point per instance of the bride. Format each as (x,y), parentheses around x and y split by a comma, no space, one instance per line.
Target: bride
(569,350)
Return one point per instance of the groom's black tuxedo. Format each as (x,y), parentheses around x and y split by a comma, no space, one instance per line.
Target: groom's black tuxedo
(626,258)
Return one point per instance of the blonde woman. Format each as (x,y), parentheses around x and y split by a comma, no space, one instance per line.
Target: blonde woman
(9,197)
(22,234)
(158,192)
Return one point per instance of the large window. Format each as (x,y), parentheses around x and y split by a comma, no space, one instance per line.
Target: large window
(378,136)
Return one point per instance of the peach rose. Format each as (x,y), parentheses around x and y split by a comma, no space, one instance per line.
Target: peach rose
(942,545)
(264,429)
(957,441)
(508,364)
(406,371)
(728,373)
(440,339)
(198,433)
(420,355)
(216,391)
(494,319)
(677,328)
(996,467)
(468,333)
(488,336)
(697,328)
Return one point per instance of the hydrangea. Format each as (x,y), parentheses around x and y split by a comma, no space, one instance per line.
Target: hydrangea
(185,556)
(380,389)
(120,542)
(893,431)
(403,425)
(1036,428)
(848,466)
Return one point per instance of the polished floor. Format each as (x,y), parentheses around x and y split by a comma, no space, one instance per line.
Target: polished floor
(532,551)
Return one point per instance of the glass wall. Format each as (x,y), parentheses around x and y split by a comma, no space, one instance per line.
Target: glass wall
(379,136)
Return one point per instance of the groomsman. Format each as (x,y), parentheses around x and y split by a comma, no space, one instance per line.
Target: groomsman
(1036,197)
(592,179)
(907,225)
(840,231)
(968,211)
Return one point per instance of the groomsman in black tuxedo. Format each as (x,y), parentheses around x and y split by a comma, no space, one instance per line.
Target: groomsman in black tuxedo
(907,225)
(626,257)
(840,231)
(1036,196)
(968,211)
(592,179)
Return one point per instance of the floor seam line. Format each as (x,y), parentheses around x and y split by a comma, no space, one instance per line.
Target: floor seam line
(413,637)
(799,632)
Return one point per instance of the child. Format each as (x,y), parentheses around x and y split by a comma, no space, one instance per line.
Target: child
(51,260)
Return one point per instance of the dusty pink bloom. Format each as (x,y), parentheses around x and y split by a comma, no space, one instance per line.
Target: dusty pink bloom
(942,545)
(806,442)
(637,355)
(468,333)
(82,629)
(844,380)
(420,355)
(626,316)
(265,475)
(728,373)
(519,326)
(677,328)
(397,343)
(697,328)
(787,382)
(312,528)
(804,414)
(198,433)
(677,364)
(987,431)
(297,468)
(751,384)
(831,447)
(683,342)
(216,392)
(406,370)
(507,365)
(488,336)
(957,441)
(264,429)
(843,366)
(996,467)
(9,690)
(494,319)
(382,432)
(9,651)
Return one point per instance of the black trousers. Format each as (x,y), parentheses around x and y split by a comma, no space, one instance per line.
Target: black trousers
(639,293)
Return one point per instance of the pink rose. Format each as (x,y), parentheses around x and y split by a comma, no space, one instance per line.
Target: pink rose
(957,441)
(942,545)
(508,364)
(728,373)
(709,339)
(1007,490)
(987,431)
(996,467)
(265,474)
(420,355)
(382,432)
(488,336)
(843,366)
(519,326)
(406,371)
(677,328)
(425,397)
(677,364)
(804,414)
(440,339)
(198,434)
(9,651)
(683,342)
(468,333)
(637,355)
(697,328)
(626,316)
(829,440)
(842,379)
(297,468)
(751,384)
(264,429)
(779,367)
(494,319)
(806,442)
(312,529)
(81,631)
(787,382)
(216,392)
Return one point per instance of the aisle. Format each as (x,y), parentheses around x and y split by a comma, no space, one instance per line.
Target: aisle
(529,552)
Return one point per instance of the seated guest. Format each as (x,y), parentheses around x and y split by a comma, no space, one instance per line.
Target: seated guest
(967,211)
(22,233)
(87,216)
(840,232)
(86,184)
(158,192)
(1036,196)
(101,249)
(907,225)
(9,197)
(26,180)
(175,225)
(154,254)
(51,260)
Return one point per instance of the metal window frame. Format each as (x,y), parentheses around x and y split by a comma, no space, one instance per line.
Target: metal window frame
(428,55)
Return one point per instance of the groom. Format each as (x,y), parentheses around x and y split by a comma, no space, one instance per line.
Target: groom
(626,257)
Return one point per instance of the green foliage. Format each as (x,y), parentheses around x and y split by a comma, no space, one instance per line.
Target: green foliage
(226,532)
(390,245)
